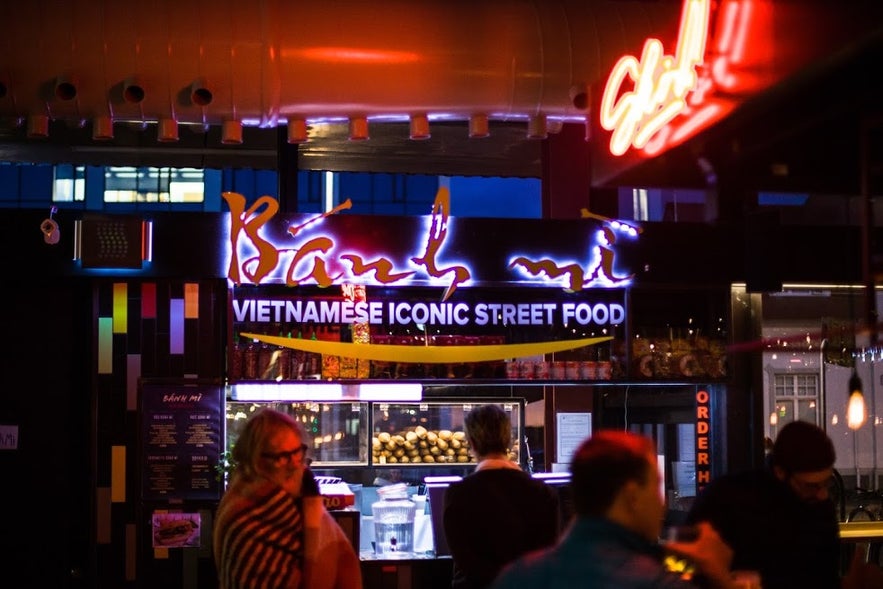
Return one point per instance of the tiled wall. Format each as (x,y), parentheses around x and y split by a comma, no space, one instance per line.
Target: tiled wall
(164,329)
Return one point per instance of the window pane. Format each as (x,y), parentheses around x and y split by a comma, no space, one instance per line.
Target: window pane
(784,413)
(187,185)
(806,411)
(69,183)
(796,396)
(154,185)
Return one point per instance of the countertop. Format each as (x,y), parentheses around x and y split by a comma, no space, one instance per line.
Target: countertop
(861,531)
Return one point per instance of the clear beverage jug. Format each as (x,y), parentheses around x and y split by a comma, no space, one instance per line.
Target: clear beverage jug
(394,517)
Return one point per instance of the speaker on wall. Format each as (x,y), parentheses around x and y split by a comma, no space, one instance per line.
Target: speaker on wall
(112,241)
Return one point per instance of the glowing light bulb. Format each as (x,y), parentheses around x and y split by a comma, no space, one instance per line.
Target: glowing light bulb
(855,410)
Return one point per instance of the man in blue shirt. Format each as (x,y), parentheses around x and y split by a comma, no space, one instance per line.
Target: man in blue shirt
(613,542)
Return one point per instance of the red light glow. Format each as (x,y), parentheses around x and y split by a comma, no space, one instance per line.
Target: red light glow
(660,83)
(354,55)
(661,111)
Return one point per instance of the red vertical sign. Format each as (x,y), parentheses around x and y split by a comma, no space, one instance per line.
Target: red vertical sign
(703,434)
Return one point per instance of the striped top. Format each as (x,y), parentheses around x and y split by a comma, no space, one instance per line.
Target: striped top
(259,537)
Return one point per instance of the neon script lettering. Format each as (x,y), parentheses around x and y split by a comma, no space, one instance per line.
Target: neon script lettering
(318,257)
(727,73)
(661,83)
(310,260)
(600,270)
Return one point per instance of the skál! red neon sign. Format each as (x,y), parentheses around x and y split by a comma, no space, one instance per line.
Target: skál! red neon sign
(661,83)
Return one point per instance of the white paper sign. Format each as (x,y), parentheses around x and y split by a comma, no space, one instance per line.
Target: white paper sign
(572,429)
(8,437)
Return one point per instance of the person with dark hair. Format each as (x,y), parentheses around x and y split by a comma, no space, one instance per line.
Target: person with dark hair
(271,528)
(613,541)
(780,520)
(497,512)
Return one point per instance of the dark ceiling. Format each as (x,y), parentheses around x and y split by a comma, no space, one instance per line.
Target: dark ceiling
(506,152)
(801,135)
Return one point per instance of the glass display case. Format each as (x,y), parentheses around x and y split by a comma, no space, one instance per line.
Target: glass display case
(337,433)
(420,434)
(430,433)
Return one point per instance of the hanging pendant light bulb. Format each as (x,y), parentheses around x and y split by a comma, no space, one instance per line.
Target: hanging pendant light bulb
(855,409)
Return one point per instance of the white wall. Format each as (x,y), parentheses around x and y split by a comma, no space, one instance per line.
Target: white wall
(853,448)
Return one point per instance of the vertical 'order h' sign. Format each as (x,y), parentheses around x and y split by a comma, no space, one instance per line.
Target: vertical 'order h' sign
(703,435)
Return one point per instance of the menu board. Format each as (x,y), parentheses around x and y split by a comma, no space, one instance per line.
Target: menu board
(181,433)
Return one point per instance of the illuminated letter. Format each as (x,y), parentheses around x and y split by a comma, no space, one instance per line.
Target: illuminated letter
(434,242)
(249,223)
(381,267)
(660,83)
(603,270)
(552,270)
(319,271)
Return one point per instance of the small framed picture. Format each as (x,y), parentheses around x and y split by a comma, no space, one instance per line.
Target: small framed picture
(176,530)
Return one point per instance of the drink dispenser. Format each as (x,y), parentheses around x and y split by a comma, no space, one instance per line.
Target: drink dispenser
(394,517)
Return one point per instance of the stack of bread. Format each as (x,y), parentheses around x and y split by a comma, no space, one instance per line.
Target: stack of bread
(420,445)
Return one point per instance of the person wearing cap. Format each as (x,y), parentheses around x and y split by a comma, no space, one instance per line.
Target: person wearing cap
(781,520)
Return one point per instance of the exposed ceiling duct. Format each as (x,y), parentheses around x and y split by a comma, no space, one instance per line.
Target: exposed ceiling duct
(227,83)
(267,63)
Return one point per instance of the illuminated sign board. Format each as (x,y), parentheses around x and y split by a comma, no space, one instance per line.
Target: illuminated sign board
(722,56)
(703,437)
(267,247)
(660,83)
(446,314)
(459,305)
(475,325)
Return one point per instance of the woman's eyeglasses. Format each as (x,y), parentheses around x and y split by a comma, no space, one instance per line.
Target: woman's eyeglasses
(287,456)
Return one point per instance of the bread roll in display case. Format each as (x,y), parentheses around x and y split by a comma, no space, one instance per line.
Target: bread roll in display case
(431,433)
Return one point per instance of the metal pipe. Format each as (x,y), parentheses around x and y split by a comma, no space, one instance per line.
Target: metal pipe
(262,62)
(823,348)
(872,418)
(858,476)
(868,276)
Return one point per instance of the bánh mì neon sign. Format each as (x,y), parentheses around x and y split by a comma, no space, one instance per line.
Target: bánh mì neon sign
(308,252)
(660,84)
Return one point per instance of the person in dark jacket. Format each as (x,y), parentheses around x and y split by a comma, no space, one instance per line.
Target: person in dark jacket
(497,512)
(780,520)
(613,540)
